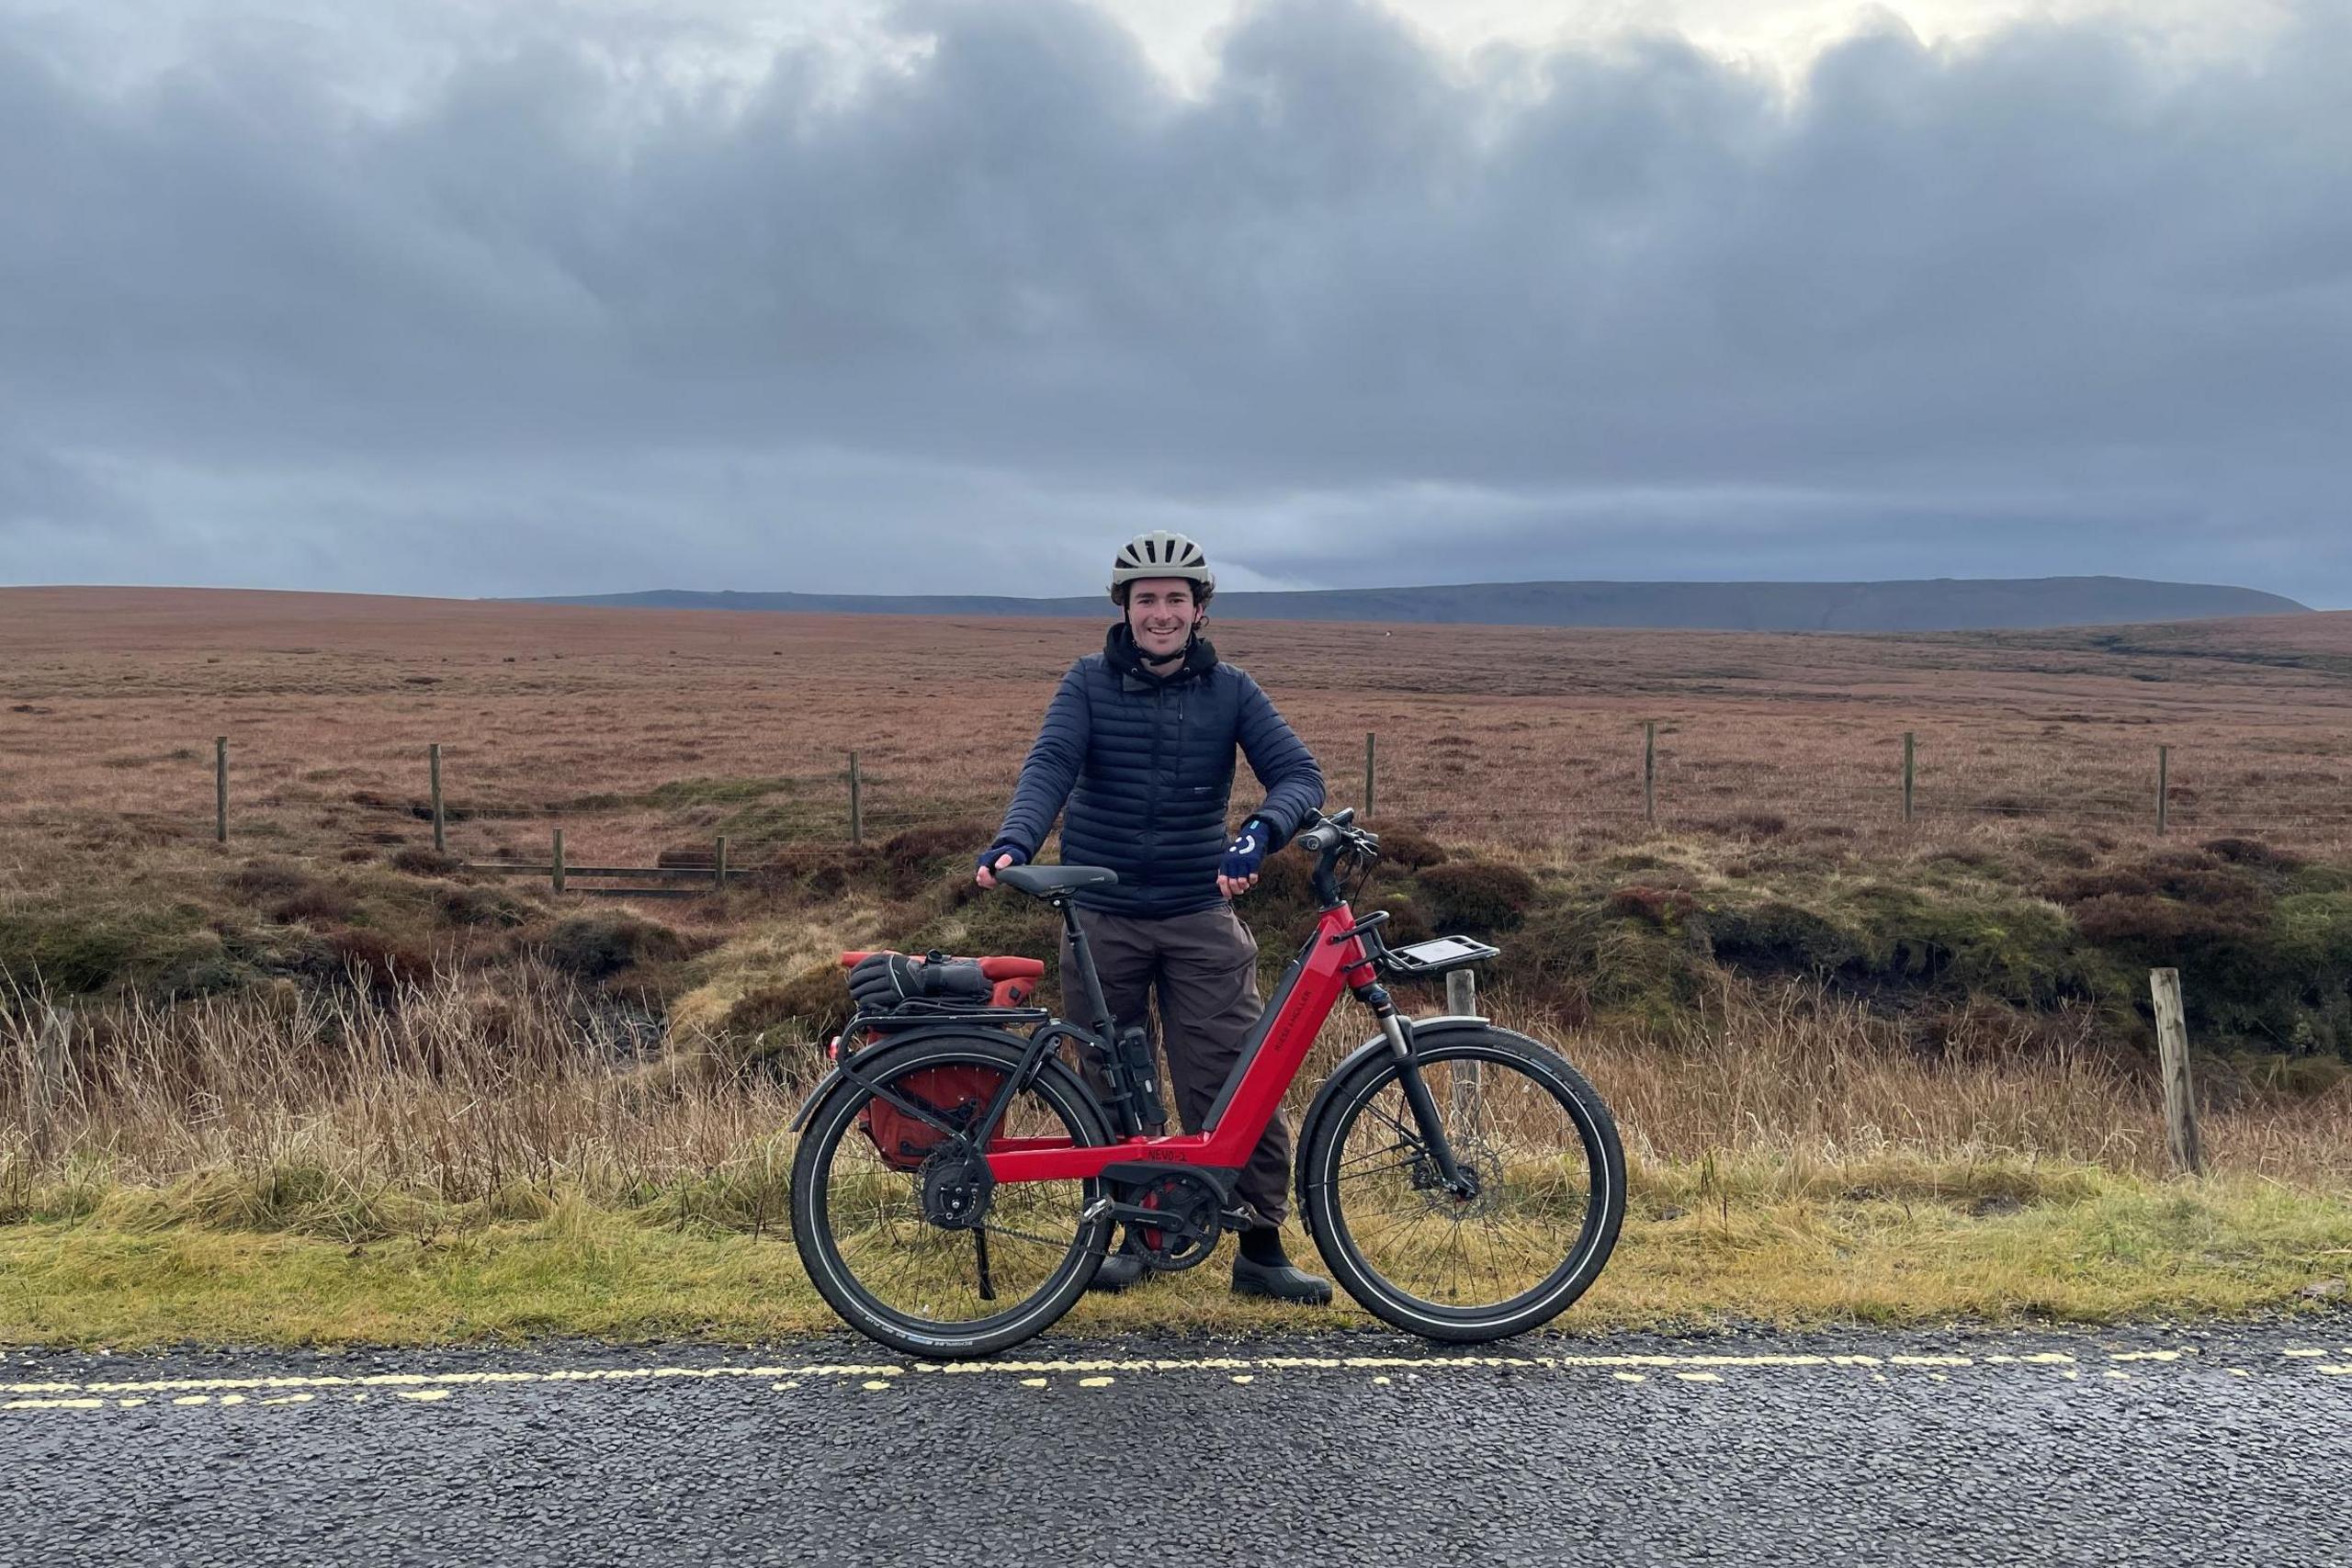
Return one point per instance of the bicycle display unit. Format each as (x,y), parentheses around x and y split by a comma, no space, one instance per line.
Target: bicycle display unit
(957,1184)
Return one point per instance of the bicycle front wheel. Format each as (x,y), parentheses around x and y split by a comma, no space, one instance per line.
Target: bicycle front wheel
(1550,1187)
(901,1238)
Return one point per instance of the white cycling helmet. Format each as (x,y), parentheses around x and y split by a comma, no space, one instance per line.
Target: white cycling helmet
(1162,554)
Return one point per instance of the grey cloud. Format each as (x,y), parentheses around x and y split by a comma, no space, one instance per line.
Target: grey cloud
(2052,302)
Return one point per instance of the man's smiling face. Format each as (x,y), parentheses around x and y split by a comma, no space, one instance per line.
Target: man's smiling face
(1161,612)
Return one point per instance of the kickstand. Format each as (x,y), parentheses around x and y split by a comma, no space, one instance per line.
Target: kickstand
(980,1253)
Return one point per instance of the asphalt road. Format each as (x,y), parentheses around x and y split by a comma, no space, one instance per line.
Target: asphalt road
(2148,1447)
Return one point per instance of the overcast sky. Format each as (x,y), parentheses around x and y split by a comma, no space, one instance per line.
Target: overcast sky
(478,297)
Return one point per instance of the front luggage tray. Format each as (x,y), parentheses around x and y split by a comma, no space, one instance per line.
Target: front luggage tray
(1436,956)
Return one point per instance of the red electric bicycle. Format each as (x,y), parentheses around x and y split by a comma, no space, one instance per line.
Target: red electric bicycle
(957,1184)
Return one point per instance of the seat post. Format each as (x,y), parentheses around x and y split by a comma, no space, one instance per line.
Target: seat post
(1090,985)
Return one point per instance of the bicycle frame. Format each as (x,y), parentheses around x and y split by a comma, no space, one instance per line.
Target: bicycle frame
(1334,960)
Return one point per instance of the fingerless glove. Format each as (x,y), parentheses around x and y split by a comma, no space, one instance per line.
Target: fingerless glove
(1247,853)
(989,856)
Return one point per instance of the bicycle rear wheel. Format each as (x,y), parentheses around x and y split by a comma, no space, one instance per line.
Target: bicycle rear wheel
(1550,1195)
(926,1288)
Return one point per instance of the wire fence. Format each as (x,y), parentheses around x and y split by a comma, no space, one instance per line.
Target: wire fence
(1666,780)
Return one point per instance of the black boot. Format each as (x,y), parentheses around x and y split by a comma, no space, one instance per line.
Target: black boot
(1121,1269)
(1264,1270)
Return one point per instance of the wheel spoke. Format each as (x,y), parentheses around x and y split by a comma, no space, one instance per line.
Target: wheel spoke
(1506,1125)
(910,1273)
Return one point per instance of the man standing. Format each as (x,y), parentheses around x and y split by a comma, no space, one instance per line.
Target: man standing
(1140,743)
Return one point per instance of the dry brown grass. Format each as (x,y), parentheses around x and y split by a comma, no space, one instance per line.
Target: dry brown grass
(493,1094)
(464,1161)
(578,716)
(604,720)
(457,1101)
(359,1114)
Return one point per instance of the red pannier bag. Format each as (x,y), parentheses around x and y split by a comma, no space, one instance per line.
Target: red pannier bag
(958,1094)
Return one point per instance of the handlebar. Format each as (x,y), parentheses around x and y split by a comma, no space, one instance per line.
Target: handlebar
(1329,832)
(1332,837)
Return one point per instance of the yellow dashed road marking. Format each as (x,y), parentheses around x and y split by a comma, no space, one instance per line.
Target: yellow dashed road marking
(1099,1372)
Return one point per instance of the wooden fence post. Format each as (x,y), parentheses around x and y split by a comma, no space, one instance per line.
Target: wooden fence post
(720,860)
(2181,1092)
(440,836)
(1461,1001)
(856,812)
(220,789)
(1649,769)
(1370,740)
(2164,785)
(555,863)
(1909,771)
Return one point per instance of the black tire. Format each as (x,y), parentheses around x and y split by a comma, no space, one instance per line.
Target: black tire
(1552,1195)
(892,1275)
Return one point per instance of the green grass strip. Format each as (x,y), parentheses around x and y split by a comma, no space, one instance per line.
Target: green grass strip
(2121,1250)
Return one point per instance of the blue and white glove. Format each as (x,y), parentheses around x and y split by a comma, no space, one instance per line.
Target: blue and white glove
(1247,853)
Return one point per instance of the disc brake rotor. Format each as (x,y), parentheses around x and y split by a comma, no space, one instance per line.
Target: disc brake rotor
(1481,1163)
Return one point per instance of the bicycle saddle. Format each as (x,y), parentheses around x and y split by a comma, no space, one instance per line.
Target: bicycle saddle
(1040,880)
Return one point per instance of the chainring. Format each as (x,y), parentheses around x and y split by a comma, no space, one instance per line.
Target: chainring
(1195,1218)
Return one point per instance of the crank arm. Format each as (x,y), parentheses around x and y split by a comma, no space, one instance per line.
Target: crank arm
(1136,1214)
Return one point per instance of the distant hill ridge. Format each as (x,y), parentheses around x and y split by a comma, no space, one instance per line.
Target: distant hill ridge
(1942,604)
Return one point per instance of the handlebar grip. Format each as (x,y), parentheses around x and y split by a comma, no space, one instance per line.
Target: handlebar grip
(1342,817)
(1317,838)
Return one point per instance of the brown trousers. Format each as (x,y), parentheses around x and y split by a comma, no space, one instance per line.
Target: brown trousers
(1204,969)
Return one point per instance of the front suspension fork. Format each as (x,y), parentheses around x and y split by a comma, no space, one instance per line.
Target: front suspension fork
(1399,1031)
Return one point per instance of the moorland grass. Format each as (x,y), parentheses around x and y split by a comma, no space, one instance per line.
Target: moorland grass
(148,1270)
(466,1159)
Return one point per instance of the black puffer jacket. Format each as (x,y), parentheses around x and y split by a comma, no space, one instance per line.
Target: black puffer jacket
(1145,766)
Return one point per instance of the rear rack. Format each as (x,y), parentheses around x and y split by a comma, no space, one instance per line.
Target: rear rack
(913,1014)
